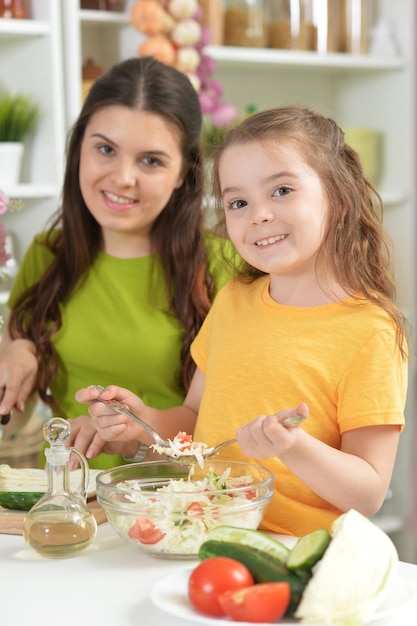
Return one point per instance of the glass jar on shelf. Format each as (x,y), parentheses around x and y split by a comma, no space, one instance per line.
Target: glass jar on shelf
(292,25)
(330,20)
(116,5)
(245,23)
(17,9)
(90,72)
(213,18)
(95,5)
(356,26)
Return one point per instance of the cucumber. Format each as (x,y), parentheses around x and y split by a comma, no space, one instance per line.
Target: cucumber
(263,567)
(308,550)
(19,500)
(254,538)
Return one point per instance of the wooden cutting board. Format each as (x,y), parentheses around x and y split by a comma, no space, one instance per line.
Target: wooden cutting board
(11,521)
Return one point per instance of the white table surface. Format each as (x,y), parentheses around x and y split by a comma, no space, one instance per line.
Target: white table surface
(107,585)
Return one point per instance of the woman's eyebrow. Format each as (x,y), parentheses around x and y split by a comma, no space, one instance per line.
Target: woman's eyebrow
(148,151)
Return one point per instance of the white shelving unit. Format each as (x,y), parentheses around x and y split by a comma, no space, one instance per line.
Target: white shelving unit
(31,63)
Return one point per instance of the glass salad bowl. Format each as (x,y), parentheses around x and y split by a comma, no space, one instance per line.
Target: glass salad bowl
(166,509)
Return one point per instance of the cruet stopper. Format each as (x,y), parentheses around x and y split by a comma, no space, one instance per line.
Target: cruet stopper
(60,524)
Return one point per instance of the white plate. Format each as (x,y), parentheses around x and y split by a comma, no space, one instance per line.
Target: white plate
(170,595)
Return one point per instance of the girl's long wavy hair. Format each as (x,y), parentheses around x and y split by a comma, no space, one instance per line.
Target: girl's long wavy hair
(356,248)
(75,237)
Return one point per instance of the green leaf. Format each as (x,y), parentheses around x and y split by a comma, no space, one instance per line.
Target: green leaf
(19,116)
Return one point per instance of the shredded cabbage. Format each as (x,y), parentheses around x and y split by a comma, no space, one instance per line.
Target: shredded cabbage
(183,445)
(182,511)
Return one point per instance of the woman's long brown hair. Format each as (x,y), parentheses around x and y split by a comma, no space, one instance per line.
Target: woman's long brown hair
(74,236)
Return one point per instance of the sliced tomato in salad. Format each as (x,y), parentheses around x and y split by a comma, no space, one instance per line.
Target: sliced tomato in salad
(145,531)
(194,509)
(184,441)
(262,603)
(250,494)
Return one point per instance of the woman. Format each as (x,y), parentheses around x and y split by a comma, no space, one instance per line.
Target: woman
(119,285)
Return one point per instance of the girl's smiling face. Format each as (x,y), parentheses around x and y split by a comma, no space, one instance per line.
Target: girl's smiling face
(275,207)
(130,164)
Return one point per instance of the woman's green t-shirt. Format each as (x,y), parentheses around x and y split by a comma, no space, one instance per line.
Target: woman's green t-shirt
(116,329)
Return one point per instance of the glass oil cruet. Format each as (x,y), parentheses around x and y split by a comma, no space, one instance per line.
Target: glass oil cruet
(60,524)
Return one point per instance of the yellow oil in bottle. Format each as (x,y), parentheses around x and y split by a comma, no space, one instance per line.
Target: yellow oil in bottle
(59,535)
(60,524)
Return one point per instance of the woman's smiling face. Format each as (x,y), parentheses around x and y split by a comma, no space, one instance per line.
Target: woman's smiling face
(130,164)
(275,207)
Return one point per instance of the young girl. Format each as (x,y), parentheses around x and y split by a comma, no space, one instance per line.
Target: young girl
(310,324)
(119,285)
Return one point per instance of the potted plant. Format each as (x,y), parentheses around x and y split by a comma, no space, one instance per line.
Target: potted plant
(19,116)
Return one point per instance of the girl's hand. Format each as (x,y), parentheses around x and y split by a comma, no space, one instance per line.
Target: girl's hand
(110,425)
(266,436)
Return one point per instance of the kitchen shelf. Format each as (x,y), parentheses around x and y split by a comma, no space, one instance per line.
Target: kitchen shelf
(28,191)
(14,29)
(244,57)
(107,18)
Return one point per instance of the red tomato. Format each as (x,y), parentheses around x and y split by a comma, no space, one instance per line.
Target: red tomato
(251,493)
(211,578)
(185,440)
(194,509)
(265,602)
(145,531)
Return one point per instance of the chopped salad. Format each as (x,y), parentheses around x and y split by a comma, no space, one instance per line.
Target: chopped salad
(176,519)
(183,445)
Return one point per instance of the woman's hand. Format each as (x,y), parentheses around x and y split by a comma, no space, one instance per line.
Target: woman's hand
(110,425)
(121,434)
(266,436)
(18,372)
(85,438)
